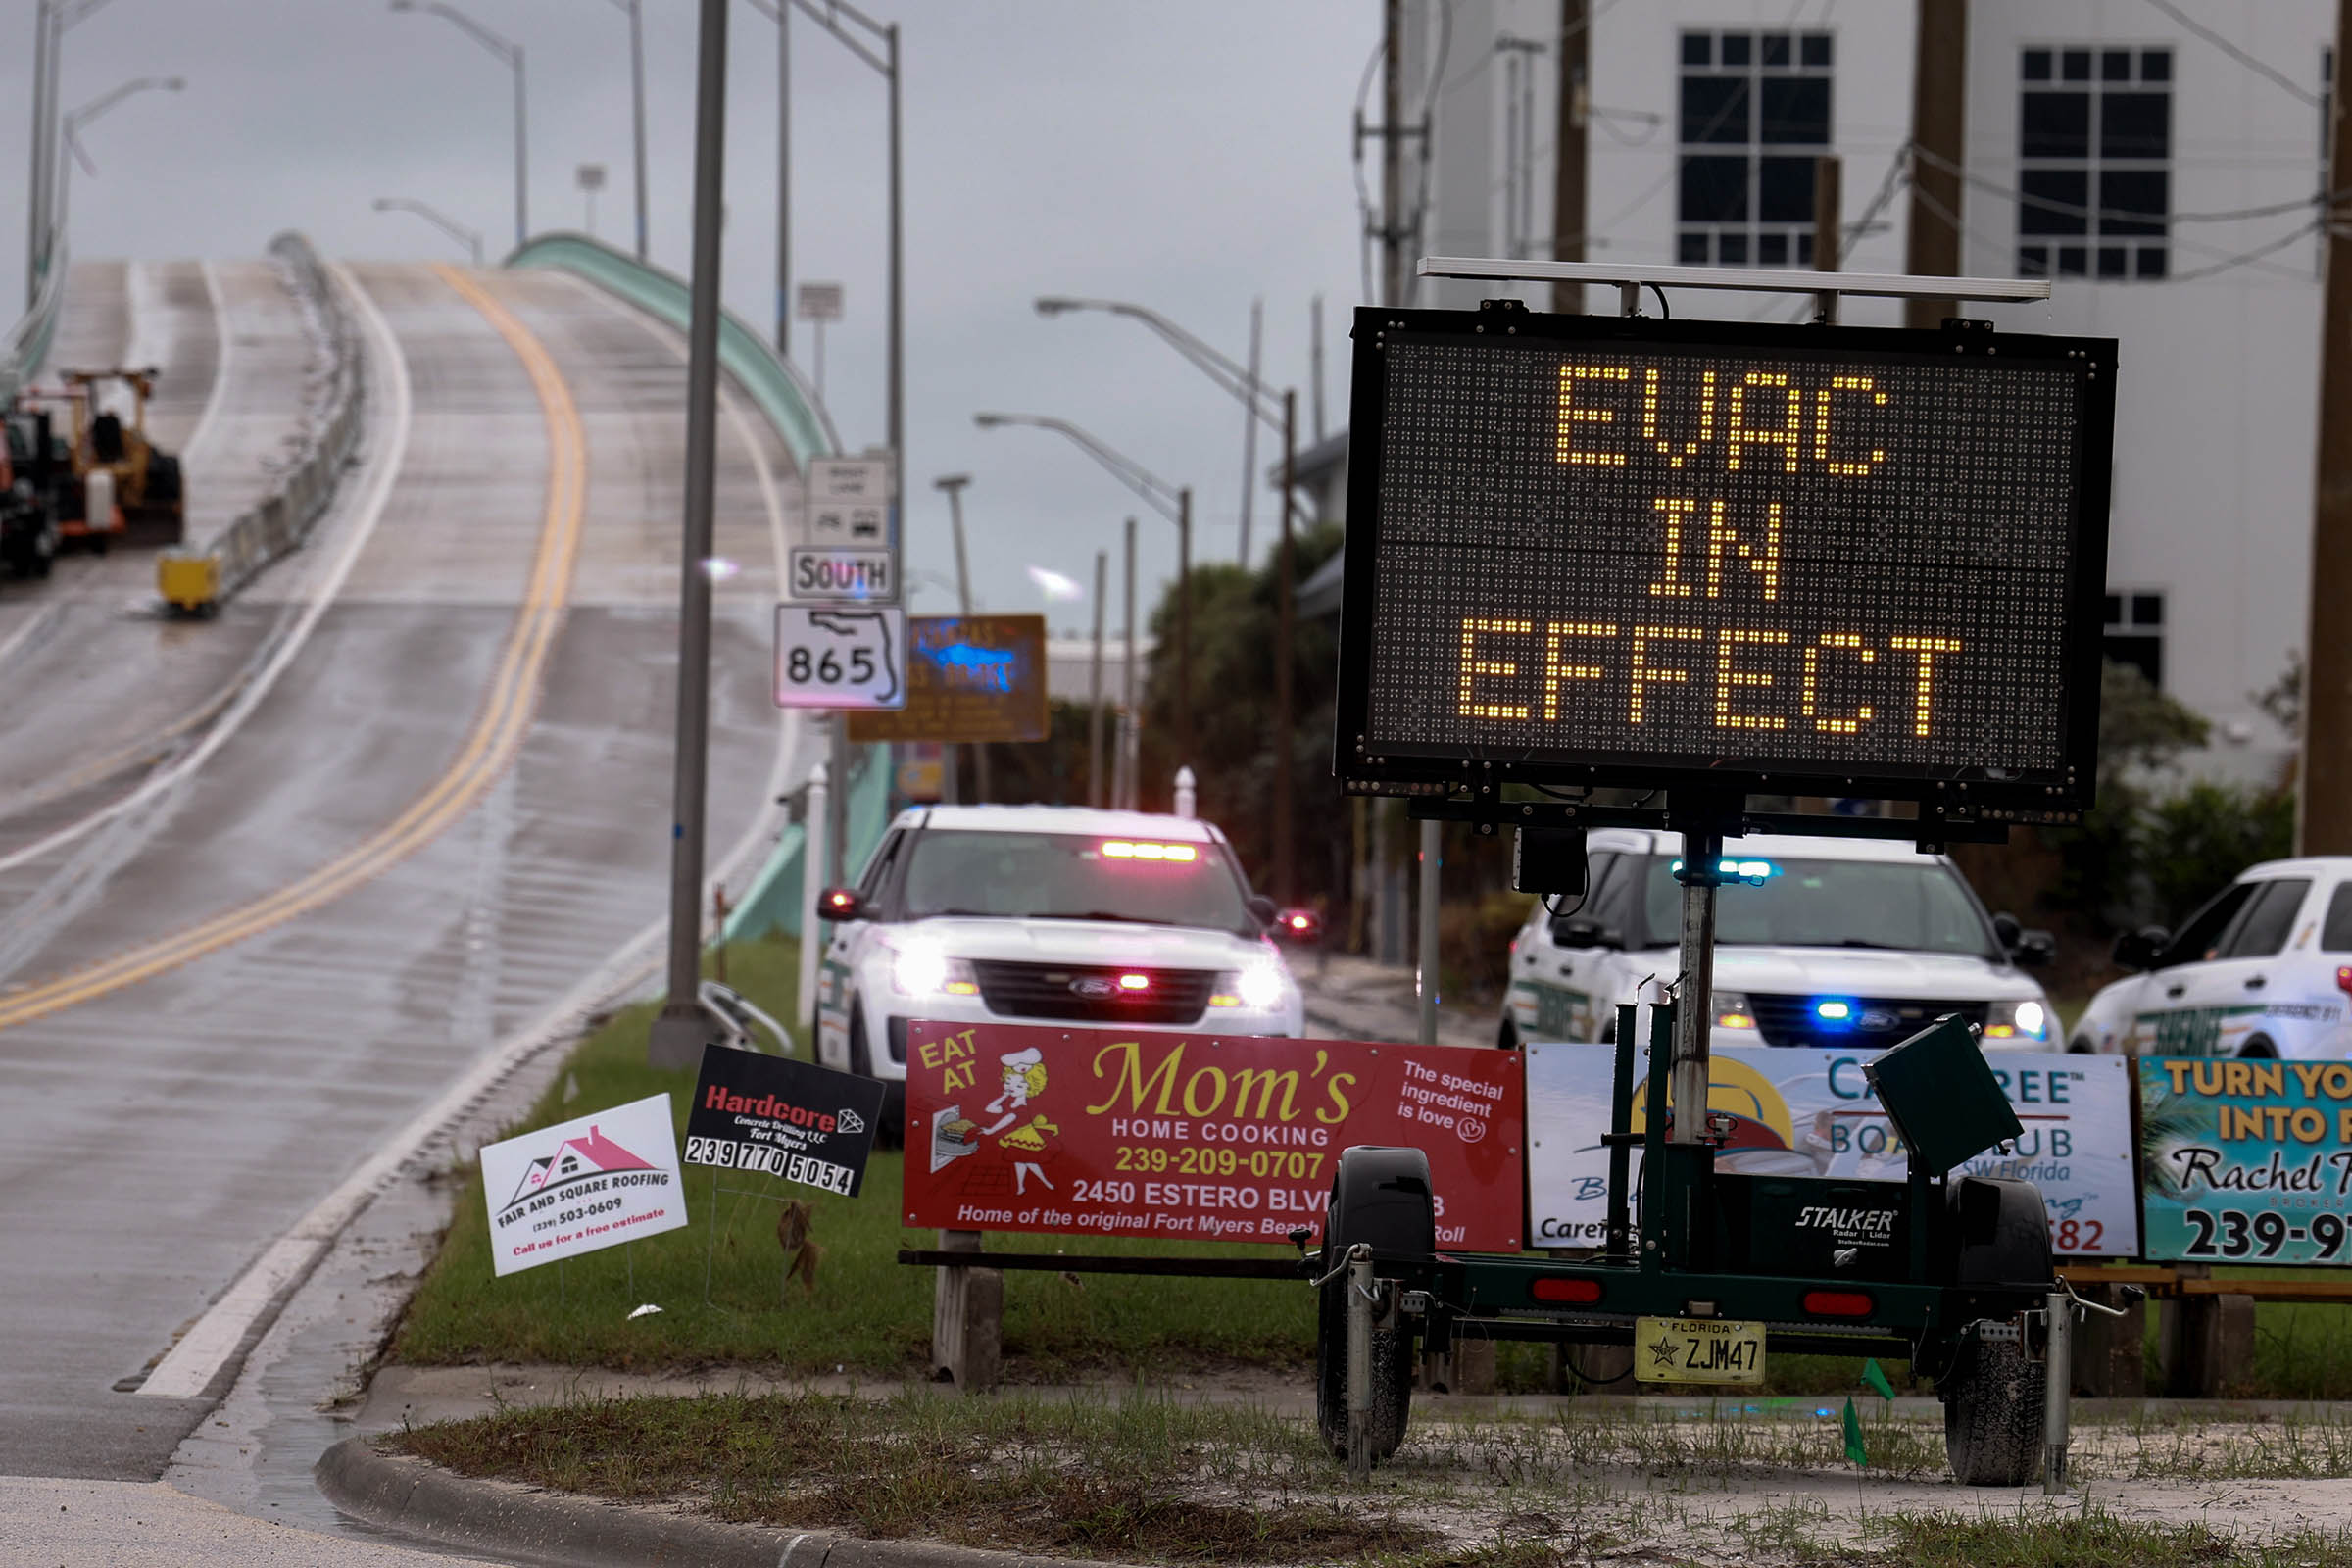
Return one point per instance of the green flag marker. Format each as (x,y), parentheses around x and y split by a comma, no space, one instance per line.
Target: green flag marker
(1876,1379)
(1854,1435)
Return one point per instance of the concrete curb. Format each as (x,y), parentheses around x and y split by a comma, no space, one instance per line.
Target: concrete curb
(412,1498)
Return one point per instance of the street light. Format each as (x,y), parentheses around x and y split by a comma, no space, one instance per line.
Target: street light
(1238,381)
(1172,502)
(52,19)
(469,238)
(71,130)
(511,52)
(636,14)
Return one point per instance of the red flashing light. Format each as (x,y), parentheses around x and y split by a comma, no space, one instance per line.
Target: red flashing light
(2343,979)
(1299,922)
(1837,1304)
(1563,1288)
(1135,982)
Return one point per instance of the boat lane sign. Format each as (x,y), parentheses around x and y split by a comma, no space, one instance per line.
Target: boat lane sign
(848,548)
(844,658)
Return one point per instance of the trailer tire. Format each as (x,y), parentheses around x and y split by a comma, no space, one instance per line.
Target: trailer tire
(1380,1196)
(1992,1413)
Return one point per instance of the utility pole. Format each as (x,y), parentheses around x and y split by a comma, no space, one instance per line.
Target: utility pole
(1316,360)
(1184,621)
(1828,180)
(1285,865)
(1258,322)
(2323,801)
(784,188)
(1568,161)
(1397,285)
(681,1030)
(1938,129)
(1093,694)
(1829,195)
(1126,768)
(953,484)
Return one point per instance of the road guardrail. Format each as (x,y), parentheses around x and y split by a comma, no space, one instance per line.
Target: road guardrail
(198,581)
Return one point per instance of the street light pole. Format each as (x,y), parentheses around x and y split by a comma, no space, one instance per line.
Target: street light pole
(953,484)
(70,129)
(511,52)
(1170,502)
(52,20)
(36,221)
(636,15)
(469,238)
(681,1030)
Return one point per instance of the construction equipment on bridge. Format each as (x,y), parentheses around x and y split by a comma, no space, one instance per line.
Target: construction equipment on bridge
(32,471)
(144,480)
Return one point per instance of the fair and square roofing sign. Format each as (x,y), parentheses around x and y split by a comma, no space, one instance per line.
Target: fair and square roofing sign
(593,1182)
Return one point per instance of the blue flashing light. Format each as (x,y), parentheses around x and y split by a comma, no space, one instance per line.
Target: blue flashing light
(1832,1011)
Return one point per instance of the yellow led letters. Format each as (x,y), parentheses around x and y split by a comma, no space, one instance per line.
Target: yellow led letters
(1474,666)
(1571,416)
(1862,715)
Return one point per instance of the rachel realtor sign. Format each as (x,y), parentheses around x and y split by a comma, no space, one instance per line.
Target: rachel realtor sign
(1107,1132)
(593,1182)
(2246,1160)
(1802,1112)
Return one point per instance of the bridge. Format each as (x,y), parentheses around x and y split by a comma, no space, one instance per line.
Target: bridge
(284,887)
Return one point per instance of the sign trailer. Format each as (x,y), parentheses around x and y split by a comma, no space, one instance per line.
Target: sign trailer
(1715,561)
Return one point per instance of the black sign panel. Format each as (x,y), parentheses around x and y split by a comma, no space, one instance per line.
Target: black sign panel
(1789,560)
(793,1119)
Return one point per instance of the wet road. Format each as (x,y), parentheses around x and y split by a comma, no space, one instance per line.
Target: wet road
(99,687)
(446,811)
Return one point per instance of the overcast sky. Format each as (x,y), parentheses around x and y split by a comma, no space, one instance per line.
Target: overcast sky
(1189,156)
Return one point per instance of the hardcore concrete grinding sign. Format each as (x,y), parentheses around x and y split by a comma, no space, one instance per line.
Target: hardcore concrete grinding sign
(1592,550)
(593,1182)
(2246,1161)
(794,1119)
(1805,1113)
(1187,1137)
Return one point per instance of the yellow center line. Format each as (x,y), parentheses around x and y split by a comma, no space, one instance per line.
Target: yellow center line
(490,747)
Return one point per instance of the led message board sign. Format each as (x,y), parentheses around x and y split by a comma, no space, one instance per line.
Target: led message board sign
(1585,550)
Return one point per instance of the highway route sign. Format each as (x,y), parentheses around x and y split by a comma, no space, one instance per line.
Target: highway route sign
(842,658)
(1751,556)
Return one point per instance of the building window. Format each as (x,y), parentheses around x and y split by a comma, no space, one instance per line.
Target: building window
(1755,115)
(2135,633)
(2094,164)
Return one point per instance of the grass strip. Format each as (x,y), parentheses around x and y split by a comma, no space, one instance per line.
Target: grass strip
(719,1281)
(1140,1479)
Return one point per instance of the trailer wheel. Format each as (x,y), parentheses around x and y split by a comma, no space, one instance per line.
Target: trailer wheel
(1992,1410)
(1382,1197)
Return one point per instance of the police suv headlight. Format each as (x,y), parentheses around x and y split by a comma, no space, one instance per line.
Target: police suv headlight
(922,969)
(2018,1021)
(1261,988)
(1731,1011)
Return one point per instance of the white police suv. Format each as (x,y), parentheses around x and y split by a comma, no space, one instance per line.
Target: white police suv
(2262,971)
(1046,914)
(1852,943)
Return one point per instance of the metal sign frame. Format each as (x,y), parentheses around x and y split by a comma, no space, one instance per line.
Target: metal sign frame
(2059,794)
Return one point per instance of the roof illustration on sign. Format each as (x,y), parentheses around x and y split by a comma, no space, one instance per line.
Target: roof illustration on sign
(590,1153)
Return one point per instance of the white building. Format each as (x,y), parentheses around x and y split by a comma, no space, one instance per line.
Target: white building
(2168,179)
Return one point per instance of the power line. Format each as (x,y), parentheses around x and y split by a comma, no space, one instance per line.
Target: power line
(2193,276)
(2258,67)
(2132,215)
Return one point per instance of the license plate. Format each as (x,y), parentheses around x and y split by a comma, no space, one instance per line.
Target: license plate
(1697,1350)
